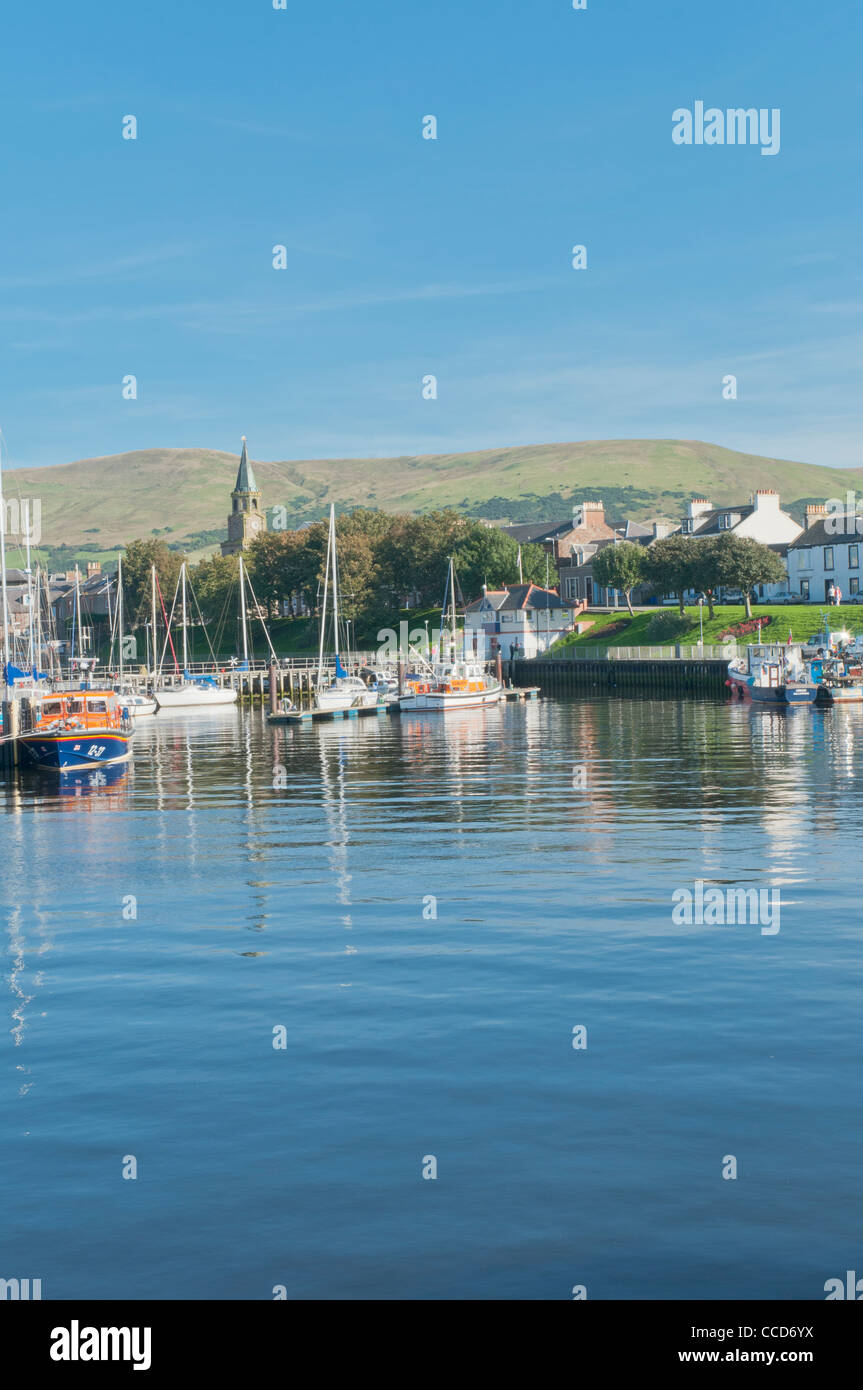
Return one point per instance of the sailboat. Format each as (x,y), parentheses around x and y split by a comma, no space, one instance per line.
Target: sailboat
(454,682)
(200,692)
(131,699)
(344,691)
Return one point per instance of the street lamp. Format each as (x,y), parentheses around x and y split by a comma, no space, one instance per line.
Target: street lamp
(701,620)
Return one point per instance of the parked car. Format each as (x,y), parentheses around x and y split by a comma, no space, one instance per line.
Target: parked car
(731,596)
(853,598)
(784,596)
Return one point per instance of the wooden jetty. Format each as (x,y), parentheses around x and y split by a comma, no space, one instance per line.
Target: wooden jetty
(326,716)
(513,695)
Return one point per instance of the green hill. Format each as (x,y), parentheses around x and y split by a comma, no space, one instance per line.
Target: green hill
(183,494)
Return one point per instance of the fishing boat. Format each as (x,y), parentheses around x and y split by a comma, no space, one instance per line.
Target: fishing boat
(838,673)
(772,675)
(189,692)
(77,729)
(342,691)
(454,682)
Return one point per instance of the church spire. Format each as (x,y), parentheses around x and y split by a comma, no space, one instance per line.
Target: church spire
(247,520)
(245,477)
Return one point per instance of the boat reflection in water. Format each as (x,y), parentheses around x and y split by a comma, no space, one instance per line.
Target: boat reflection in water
(107,785)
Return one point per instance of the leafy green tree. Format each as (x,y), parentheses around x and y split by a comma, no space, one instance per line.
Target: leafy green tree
(743,562)
(138,560)
(487,555)
(706,568)
(620,566)
(669,564)
(215,584)
(282,563)
(414,554)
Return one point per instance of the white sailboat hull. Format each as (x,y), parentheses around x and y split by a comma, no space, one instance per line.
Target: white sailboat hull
(345,695)
(140,707)
(195,697)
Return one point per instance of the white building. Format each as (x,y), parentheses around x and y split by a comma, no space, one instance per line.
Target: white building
(826,554)
(762,519)
(522,616)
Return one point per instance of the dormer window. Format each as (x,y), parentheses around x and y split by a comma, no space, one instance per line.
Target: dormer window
(687,526)
(725,521)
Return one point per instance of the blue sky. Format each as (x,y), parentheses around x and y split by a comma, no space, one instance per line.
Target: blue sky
(407,256)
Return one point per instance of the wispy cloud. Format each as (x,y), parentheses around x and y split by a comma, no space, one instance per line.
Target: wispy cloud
(120,267)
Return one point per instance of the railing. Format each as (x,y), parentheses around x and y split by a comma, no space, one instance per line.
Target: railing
(708,652)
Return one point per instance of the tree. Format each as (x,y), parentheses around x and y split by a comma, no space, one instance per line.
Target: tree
(487,555)
(138,560)
(620,566)
(214,582)
(414,554)
(706,568)
(282,563)
(742,563)
(669,563)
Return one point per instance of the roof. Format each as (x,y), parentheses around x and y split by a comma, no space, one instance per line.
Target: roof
(710,520)
(532,532)
(570,566)
(817,534)
(245,477)
(521,597)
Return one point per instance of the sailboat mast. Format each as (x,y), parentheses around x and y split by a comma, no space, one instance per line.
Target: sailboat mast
(153,613)
(335,579)
(33,661)
(37,602)
(6,652)
(77,613)
(120,611)
(185,644)
(324,612)
(243,610)
(453,617)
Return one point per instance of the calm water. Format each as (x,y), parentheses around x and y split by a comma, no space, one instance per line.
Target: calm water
(552,838)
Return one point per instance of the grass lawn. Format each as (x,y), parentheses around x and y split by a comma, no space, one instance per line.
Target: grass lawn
(804,620)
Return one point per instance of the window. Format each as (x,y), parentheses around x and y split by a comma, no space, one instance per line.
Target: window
(97,706)
(52,708)
(804,590)
(853,557)
(725,522)
(828,557)
(854,586)
(804,559)
(686,528)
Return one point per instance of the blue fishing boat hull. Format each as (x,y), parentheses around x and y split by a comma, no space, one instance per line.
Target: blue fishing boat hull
(800,694)
(766,695)
(59,752)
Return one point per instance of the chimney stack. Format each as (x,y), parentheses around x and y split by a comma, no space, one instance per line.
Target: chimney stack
(814,512)
(697,506)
